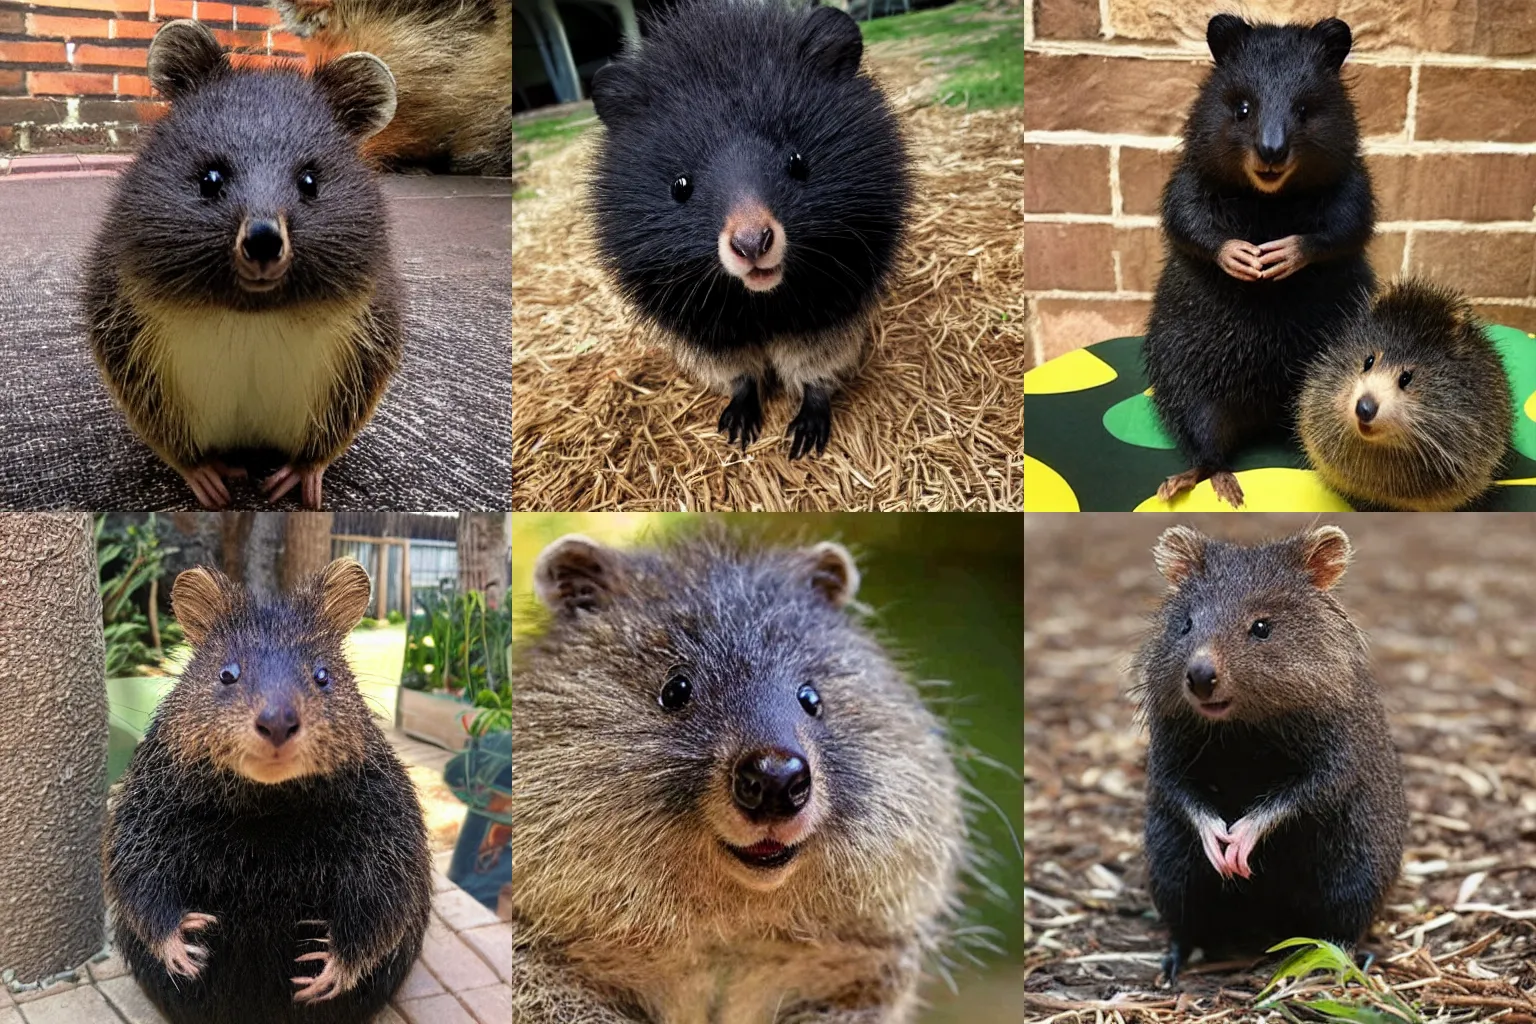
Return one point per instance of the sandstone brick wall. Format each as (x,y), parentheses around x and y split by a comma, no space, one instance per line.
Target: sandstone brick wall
(72,71)
(1447,101)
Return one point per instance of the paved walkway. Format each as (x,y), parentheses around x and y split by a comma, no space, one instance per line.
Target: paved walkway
(462,977)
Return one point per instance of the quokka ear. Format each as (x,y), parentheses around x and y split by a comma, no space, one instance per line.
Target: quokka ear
(577,574)
(1180,553)
(1325,554)
(183,57)
(340,595)
(832,572)
(202,597)
(361,91)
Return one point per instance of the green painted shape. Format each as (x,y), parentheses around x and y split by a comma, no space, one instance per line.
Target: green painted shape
(1134,420)
(1518,350)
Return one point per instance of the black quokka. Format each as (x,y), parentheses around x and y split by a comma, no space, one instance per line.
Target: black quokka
(1265,223)
(750,196)
(1274,795)
(241,294)
(729,803)
(266,858)
(1411,408)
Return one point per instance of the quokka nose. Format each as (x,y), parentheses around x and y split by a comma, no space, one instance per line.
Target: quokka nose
(752,243)
(1202,678)
(263,241)
(1366,408)
(277,723)
(769,784)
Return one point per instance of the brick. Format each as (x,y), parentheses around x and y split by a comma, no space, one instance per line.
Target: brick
(69,137)
(14,52)
(262,16)
(115,6)
(1386,254)
(1066,179)
(1496,28)
(37,995)
(7,143)
(114,966)
(253,60)
(1109,94)
(489,1005)
(135,85)
(460,910)
(1380,94)
(1477,104)
(10,1015)
(83,1005)
(1455,186)
(68,83)
(441,882)
(435,1010)
(46,26)
(388,1015)
(112,111)
(212,12)
(1523,317)
(453,962)
(112,56)
(1143,173)
(494,944)
(1069,256)
(1141,257)
(13,23)
(284,42)
(418,983)
(122,28)
(241,40)
(1066,324)
(1376,23)
(130,1000)
(167,9)
(12,82)
(30,111)
(1483,264)
(1067,19)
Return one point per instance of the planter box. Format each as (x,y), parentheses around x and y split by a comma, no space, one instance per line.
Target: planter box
(434,717)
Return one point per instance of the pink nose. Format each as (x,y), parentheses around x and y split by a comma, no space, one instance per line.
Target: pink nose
(752,243)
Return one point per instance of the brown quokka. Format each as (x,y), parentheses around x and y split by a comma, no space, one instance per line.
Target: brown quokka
(729,804)
(241,293)
(452,62)
(1274,795)
(266,858)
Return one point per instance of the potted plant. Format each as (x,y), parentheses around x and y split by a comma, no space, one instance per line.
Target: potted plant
(455,649)
(481,776)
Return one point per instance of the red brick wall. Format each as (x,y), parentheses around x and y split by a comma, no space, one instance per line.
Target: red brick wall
(72,71)
(1447,103)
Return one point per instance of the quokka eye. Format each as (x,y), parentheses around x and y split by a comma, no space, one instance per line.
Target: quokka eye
(677,692)
(309,184)
(230,674)
(1189,624)
(1405,380)
(682,188)
(322,676)
(1260,629)
(1370,361)
(799,168)
(810,700)
(1242,109)
(211,184)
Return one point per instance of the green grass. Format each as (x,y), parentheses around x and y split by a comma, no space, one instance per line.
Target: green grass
(977,46)
(560,129)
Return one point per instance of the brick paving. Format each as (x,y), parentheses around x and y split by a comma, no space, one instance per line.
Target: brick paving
(462,977)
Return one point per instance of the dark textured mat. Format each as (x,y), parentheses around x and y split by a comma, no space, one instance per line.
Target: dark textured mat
(441,438)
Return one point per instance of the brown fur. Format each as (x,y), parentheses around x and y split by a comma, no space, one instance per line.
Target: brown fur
(452,67)
(625,904)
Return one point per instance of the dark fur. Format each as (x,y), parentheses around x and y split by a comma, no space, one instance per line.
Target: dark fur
(1307,728)
(1225,357)
(189,834)
(1459,400)
(725,93)
(160,238)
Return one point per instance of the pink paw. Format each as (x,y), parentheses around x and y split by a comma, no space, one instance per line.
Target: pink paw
(287,478)
(181,958)
(334,977)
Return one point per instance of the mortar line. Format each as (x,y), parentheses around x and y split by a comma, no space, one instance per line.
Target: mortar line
(1411,121)
(1116,198)
(1373,145)
(1194,53)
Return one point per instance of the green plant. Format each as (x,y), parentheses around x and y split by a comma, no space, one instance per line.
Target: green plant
(367,623)
(129,557)
(395,617)
(1350,995)
(457,643)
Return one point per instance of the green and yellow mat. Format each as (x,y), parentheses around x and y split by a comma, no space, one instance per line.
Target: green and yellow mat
(1093,442)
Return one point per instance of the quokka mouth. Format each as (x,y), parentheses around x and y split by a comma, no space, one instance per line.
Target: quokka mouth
(766,854)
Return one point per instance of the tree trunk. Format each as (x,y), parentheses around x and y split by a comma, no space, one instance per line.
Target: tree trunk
(306,546)
(483,563)
(53,744)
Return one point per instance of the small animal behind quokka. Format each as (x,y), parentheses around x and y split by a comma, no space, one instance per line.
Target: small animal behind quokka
(1411,408)
(266,859)
(1274,795)
(453,68)
(1265,224)
(729,804)
(241,294)
(749,199)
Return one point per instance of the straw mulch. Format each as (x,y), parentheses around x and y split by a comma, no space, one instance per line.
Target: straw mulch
(603,420)
(1452,621)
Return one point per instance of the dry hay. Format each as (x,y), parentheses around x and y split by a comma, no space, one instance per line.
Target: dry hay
(1449,612)
(933,420)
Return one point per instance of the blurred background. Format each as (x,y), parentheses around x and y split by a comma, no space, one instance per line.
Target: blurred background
(947,594)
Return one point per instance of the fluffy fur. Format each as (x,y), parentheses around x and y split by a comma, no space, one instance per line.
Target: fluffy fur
(317,846)
(761,112)
(452,61)
(1411,408)
(205,368)
(1266,725)
(628,904)
(1260,274)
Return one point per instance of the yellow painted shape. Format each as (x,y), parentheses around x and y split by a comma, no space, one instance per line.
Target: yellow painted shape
(1045,490)
(1078,370)
(1528,481)
(1271,489)
(1530,405)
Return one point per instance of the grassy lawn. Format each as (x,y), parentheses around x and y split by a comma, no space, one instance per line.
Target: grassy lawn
(977,47)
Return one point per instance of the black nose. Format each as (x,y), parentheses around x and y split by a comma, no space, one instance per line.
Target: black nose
(752,243)
(771,784)
(1272,146)
(263,241)
(1202,677)
(278,722)
(1366,408)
